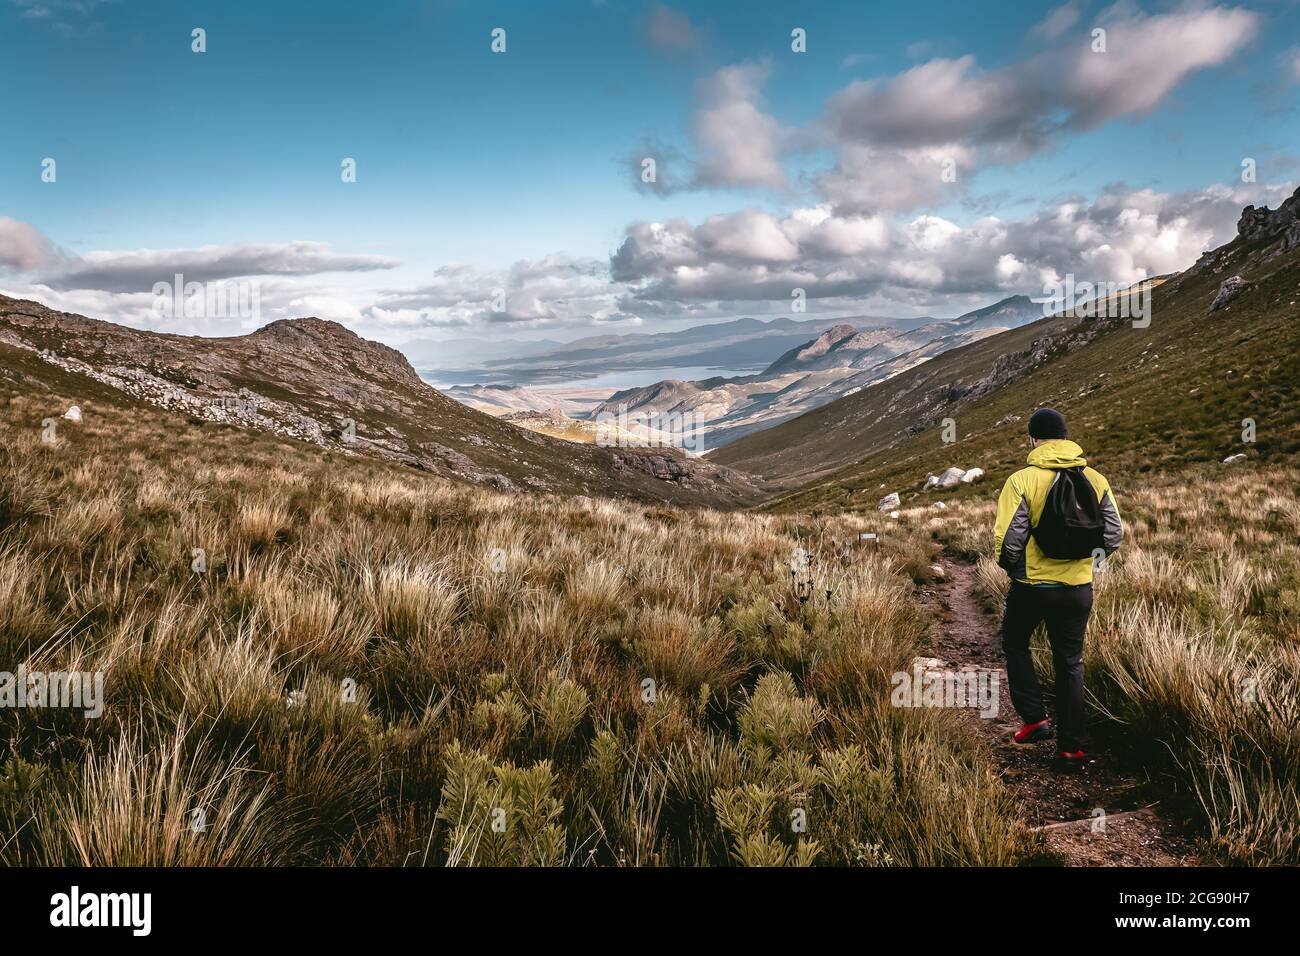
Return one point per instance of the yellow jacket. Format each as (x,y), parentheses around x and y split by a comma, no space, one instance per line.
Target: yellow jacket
(1021,504)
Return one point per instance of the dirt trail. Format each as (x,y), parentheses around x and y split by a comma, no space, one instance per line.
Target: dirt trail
(1060,806)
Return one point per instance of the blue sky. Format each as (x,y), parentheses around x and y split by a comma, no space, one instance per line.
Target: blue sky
(516,172)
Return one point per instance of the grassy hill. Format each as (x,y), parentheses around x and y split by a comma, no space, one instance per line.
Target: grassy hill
(1138,399)
(317,382)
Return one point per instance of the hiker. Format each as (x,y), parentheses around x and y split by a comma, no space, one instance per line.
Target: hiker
(1056,519)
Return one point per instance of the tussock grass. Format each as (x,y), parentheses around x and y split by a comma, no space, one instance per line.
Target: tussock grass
(378,667)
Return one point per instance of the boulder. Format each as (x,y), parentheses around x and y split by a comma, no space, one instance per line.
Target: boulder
(950,478)
(940,505)
(895,514)
(975,474)
(930,482)
(1233,459)
(889,502)
(1229,289)
(73,414)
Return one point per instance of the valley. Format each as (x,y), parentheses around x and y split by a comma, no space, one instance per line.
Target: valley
(643,664)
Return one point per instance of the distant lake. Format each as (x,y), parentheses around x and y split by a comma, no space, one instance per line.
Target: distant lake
(614,381)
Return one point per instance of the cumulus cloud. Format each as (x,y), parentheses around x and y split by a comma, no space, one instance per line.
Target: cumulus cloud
(23,248)
(1147,57)
(118,284)
(868,179)
(554,291)
(892,137)
(939,102)
(737,261)
(739,143)
(1018,108)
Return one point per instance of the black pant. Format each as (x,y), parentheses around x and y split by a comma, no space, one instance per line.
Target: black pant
(1066,610)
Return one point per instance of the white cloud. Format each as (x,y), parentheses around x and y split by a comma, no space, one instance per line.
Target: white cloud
(555,291)
(738,143)
(138,270)
(1147,57)
(867,179)
(23,248)
(1057,22)
(892,135)
(720,266)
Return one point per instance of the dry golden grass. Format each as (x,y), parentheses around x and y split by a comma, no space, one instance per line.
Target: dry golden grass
(371,662)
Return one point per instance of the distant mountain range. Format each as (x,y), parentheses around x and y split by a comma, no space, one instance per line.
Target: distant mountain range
(839,361)
(738,344)
(1222,346)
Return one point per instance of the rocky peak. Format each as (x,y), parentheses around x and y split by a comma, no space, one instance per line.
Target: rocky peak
(293,329)
(828,341)
(1259,222)
(330,342)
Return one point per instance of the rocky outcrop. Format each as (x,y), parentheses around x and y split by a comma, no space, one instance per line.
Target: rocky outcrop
(1229,289)
(1261,223)
(889,502)
(1291,238)
(663,467)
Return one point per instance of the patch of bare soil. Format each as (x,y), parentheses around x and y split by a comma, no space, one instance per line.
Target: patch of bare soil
(1105,814)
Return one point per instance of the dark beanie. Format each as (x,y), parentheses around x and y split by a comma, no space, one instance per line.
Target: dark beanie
(1047,423)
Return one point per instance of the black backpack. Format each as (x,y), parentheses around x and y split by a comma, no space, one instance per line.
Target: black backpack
(1071,525)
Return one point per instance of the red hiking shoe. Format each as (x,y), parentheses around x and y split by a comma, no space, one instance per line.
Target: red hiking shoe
(1072,760)
(1028,733)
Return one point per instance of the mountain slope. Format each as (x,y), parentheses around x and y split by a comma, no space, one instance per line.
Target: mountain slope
(316,381)
(1138,398)
(840,361)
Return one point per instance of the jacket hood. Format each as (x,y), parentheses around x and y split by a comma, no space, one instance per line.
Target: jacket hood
(1057,453)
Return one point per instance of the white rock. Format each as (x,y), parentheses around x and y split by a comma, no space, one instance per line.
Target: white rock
(895,514)
(889,502)
(1233,459)
(937,570)
(940,505)
(951,478)
(73,414)
(930,482)
(975,474)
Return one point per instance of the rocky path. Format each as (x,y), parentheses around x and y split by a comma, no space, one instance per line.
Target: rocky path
(1104,815)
